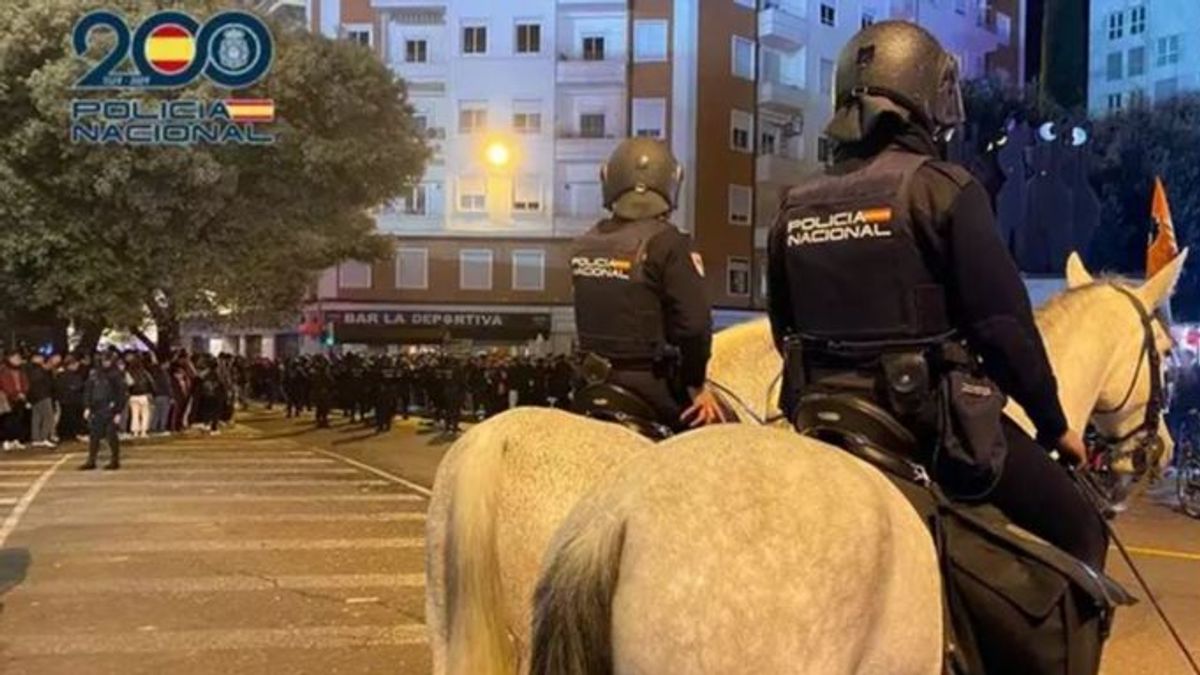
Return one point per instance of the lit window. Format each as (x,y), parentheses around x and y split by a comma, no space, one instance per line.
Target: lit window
(527,194)
(529,270)
(529,38)
(472,117)
(474,39)
(475,269)
(412,268)
(354,274)
(741,200)
(741,125)
(743,58)
(649,40)
(649,117)
(737,277)
(828,15)
(416,51)
(472,194)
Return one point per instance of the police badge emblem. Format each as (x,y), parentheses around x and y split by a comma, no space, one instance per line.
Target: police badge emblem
(233,52)
(698,263)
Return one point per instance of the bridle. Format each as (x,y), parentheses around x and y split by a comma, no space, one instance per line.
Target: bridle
(1149,448)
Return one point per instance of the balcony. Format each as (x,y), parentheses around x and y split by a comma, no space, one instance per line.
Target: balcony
(571,147)
(780,97)
(584,72)
(780,29)
(779,170)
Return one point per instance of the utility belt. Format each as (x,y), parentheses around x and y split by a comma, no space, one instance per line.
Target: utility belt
(663,363)
(933,386)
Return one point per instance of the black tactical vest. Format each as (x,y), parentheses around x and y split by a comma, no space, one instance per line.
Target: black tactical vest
(854,268)
(617,313)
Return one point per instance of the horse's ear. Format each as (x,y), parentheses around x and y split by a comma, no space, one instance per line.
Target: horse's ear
(1158,289)
(1077,274)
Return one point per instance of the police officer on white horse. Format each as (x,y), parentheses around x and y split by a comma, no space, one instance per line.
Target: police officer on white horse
(891,250)
(641,308)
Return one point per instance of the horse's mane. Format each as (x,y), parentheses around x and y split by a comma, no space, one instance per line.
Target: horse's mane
(1062,307)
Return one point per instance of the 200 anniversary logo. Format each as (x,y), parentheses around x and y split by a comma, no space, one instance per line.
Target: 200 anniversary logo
(171,50)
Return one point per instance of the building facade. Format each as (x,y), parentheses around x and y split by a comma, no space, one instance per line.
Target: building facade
(523,100)
(1141,51)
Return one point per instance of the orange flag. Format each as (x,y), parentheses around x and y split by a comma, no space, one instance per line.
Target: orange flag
(1163,248)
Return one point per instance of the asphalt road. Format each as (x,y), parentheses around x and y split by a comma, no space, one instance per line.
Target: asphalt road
(276,549)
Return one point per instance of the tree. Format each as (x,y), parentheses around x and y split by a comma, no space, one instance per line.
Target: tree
(118,234)
(1133,146)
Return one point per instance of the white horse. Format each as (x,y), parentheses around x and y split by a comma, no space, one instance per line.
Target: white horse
(741,549)
(508,484)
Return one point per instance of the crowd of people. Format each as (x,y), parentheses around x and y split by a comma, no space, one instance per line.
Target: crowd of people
(42,396)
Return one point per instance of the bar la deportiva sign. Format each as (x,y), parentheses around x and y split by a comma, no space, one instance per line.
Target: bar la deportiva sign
(440,319)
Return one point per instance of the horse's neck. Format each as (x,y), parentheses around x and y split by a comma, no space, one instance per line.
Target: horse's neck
(1081,353)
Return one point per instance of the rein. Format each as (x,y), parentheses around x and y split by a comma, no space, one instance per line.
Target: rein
(728,393)
(1149,446)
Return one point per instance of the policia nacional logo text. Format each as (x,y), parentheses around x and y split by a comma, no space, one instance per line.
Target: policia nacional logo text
(600,267)
(843,226)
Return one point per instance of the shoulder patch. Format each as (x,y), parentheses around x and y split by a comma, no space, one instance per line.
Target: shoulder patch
(698,263)
(957,174)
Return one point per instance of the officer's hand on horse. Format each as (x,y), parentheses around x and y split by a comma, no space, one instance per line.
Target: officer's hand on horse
(705,409)
(1072,449)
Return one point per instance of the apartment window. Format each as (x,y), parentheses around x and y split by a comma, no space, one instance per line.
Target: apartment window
(472,194)
(354,274)
(828,15)
(868,19)
(768,142)
(741,201)
(412,268)
(743,58)
(1137,98)
(1004,28)
(527,117)
(527,194)
(737,277)
(1115,69)
(741,125)
(358,34)
(650,117)
(529,270)
(475,269)
(1137,61)
(826,76)
(1114,101)
(1116,25)
(1137,20)
(1168,50)
(416,51)
(649,41)
(472,117)
(591,125)
(593,48)
(474,39)
(824,150)
(1166,89)
(416,202)
(421,123)
(529,38)
(749,4)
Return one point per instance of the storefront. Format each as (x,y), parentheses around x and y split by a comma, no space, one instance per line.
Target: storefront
(428,327)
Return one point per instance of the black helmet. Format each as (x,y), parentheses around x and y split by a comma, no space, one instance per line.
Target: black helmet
(894,67)
(641,179)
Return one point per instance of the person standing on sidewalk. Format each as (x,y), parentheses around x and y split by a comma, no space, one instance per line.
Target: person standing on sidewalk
(141,390)
(160,406)
(68,391)
(104,398)
(15,387)
(41,402)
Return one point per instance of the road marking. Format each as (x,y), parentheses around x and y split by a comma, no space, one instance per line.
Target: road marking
(1163,553)
(14,518)
(204,461)
(158,499)
(215,584)
(20,472)
(223,518)
(415,487)
(212,545)
(8,501)
(150,641)
(17,485)
(176,484)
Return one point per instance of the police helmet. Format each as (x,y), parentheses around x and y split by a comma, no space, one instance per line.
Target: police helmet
(641,179)
(895,67)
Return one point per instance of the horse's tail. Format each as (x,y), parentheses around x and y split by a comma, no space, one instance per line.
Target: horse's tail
(479,643)
(572,622)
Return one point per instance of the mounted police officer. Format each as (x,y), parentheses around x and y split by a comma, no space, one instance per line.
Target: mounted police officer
(640,303)
(890,261)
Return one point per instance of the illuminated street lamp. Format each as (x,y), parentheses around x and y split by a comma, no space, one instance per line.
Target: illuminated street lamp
(498,154)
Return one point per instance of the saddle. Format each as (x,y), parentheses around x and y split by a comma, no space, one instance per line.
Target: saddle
(1014,603)
(613,403)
